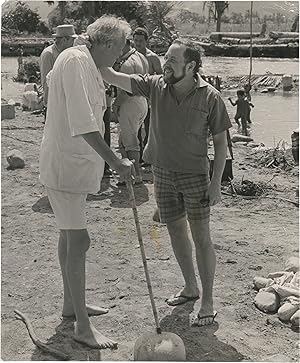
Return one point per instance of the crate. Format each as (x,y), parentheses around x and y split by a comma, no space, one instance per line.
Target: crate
(7,111)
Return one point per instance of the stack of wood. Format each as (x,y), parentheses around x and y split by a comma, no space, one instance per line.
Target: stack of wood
(245,38)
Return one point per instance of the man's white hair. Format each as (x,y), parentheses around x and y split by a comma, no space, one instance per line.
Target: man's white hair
(108,28)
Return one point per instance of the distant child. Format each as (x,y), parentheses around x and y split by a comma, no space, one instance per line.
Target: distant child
(247,89)
(241,110)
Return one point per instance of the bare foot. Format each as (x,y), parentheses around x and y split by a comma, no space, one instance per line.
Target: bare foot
(92,310)
(93,339)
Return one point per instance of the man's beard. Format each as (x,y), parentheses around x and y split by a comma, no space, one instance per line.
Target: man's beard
(171,79)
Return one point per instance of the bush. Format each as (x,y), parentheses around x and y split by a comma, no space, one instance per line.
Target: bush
(32,67)
(21,18)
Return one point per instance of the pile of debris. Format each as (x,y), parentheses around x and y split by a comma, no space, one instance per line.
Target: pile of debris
(248,188)
(280,157)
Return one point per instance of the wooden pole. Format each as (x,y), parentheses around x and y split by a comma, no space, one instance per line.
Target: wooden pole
(250,71)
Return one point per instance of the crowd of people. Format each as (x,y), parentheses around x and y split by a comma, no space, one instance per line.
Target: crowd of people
(178,109)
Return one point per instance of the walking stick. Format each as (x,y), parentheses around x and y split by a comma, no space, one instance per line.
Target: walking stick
(139,234)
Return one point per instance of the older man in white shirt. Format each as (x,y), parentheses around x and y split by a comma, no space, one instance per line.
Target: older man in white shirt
(72,159)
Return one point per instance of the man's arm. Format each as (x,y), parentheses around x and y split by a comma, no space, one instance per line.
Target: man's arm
(220,146)
(157,65)
(118,79)
(233,103)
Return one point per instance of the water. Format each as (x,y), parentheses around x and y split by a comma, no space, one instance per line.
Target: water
(274,117)
(228,66)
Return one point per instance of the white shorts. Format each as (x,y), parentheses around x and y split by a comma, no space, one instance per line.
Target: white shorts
(68,208)
(131,116)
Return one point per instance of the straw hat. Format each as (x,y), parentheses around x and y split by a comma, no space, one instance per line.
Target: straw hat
(65,31)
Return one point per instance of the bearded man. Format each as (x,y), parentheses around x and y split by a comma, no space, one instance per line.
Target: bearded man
(183,109)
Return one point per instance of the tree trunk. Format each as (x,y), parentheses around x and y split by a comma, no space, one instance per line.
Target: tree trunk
(218,29)
(295,26)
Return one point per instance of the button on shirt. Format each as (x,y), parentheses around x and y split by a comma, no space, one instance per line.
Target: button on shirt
(75,107)
(179,131)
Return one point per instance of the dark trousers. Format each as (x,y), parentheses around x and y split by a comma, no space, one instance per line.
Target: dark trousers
(106,119)
(144,142)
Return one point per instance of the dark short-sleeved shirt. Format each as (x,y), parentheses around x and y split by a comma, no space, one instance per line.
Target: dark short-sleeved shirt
(178,132)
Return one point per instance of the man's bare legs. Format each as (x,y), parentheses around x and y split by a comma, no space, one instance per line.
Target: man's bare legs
(206,261)
(78,243)
(68,310)
(183,252)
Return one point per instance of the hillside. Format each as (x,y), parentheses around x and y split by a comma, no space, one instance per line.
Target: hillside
(287,8)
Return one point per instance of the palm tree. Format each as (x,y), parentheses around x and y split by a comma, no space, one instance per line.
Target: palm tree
(158,12)
(216,10)
(62,5)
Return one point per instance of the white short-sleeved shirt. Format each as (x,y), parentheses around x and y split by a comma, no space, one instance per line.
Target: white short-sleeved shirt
(76,105)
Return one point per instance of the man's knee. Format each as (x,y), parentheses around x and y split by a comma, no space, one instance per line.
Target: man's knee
(177,228)
(201,232)
(78,241)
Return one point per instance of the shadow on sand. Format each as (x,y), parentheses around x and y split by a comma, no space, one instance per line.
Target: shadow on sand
(119,197)
(42,206)
(63,342)
(201,343)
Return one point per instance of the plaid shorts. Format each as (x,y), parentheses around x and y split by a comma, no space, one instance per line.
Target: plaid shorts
(178,194)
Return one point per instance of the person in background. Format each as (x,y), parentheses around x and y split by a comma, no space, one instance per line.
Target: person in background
(140,40)
(31,98)
(106,120)
(64,38)
(242,109)
(131,110)
(183,108)
(247,89)
(21,71)
(72,160)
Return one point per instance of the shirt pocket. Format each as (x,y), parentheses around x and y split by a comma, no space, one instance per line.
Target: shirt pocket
(80,172)
(197,122)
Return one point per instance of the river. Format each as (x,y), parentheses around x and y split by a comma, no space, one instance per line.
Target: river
(274,116)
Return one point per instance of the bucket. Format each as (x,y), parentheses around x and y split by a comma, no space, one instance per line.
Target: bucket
(7,111)
(287,82)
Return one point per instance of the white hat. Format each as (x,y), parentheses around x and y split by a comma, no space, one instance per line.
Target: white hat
(65,31)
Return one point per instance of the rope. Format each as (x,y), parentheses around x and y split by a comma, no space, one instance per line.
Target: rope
(250,71)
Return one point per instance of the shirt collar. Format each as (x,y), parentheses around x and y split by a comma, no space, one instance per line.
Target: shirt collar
(84,49)
(199,82)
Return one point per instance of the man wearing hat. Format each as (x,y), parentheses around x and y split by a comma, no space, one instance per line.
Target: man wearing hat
(64,38)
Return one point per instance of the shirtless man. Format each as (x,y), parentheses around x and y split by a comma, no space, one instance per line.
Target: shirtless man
(131,110)
(72,160)
(140,39)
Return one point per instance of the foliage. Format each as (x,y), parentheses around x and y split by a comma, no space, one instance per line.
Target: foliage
(21,18)
(31,67)
(43,28)
(158,15)
(82,13)
(186,16)
(216,10)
